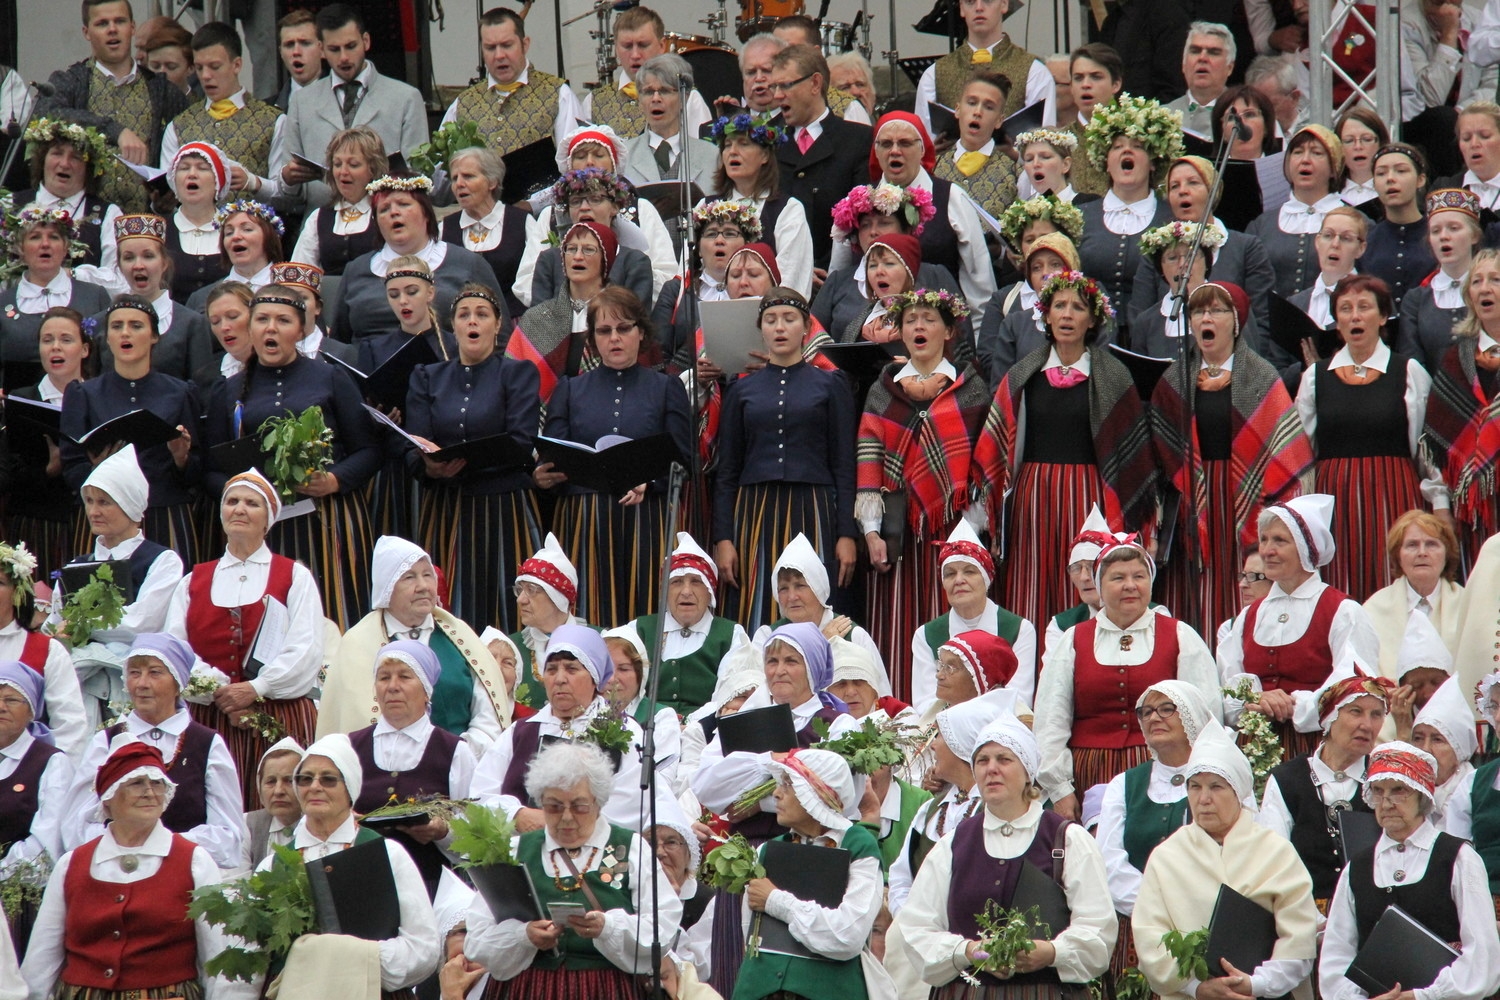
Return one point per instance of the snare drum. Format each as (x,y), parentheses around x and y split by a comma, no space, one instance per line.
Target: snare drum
(680,43)
(838,36)
(757,16)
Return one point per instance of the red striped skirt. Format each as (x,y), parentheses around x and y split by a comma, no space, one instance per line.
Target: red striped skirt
(1097,765)
(1205,591)
(1372,493)
(898,602)
(565,984)
(192,989)
(1050,504)
(298,718)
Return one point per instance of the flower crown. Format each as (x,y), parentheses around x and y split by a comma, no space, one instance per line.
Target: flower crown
(19,564)
(389,183)
(249,206)
(733,212)
(1020,214)
(14,224)
(1063,139)
(1141,118)
(757,128)
(914,204)
(89,142)
(944,301)
(593,180)
(1157,241)
(1098,301)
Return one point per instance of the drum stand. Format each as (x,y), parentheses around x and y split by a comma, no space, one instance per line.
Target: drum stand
(891,54)
(716,23)
(864,30)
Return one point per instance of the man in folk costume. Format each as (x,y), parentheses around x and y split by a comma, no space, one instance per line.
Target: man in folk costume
(640,35)
(968,571)
(988,47)
(469,697)
(516,104)
(694,639)
(976,161)
(246,129)
(1445,728)
(546,594)
(1285,643)
(1422,664)
(1304,793)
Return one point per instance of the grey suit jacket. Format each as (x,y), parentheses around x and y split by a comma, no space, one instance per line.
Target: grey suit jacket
(392,108)
(641,168)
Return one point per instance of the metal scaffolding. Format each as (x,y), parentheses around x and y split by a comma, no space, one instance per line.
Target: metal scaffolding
(1381,88)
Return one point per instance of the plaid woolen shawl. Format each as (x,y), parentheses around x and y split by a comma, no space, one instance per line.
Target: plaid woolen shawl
(1269,451)
(1121,431)
(1461,436)
(931,456)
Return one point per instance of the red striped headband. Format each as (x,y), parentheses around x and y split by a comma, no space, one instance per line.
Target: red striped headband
(821,788)
(1389,762)
(968,550)
(550,575)
(696,564)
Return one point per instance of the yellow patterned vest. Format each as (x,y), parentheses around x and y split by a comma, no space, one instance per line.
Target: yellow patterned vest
(244,135)
(993,187)
(130,105)
(1008,58)
(510,122)
(611,107)
(1085,177)
(838,100)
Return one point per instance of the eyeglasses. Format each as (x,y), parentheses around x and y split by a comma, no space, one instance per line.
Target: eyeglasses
(520,588)
(670,843)
(324,780)
(886,145)
(781,88)
(948,669)
(1348,239)
(587,199)
(720,234)
(1216,312)
(574,250)
(1163,711)
(1248,577)
(1400,793)
(658,92)
(580,808)
(609,331)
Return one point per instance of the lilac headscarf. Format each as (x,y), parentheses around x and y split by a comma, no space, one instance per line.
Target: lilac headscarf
(587,647)
(808,639)
(417,655)
(29,683)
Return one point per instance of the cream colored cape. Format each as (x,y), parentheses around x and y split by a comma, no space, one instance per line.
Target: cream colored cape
(1388,612)
(1478,650)
(320,966)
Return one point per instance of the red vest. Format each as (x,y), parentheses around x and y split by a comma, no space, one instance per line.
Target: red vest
(1104,696)
(34,652)
(129,937)
(1301,665)
(223,636)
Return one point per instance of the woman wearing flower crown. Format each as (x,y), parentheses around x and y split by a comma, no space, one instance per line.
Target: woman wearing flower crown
(408,225)
(1130,139)
(1048,160)
(1166,250)
(1020,225)
(199,177)
(722,227)
(1007,336)
(186,344)
(1095,448)
(915,472)
(67,162)
(748,173)
(1248,448)
(40,243)
(590,194)
(250,235)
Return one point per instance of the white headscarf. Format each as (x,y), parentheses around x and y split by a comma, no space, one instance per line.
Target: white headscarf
(337,748)
(555,563)
(393,557)
(961,724)
(1192,705)
(1422,646)
(853,662)
(1087,550)
(121,478)
(1310,520)
(1448,712)
(1215,752)
(800,555)
(1011,733)
(835,774)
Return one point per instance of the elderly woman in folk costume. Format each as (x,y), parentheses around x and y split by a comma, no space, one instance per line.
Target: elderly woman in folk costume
(209,805)
(1444,728)
(1284,645)
(1423,552)
(68,163)
(596,196)
(1472,812)
(1080,712)
(219,607)
(966,572)
(19,640)
(1066,431)
(469,698)
(1223,846)
(803,594)
(977,664)
(628,693)
(916,447)
(144,944)
(546,590)
(272,824)
(1304,793)
(862,685)
(579,857)
(941,918)
(1433,876)
(1247,449)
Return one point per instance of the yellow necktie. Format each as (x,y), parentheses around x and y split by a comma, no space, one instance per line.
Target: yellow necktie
(980,56)
(220,110)
(506,88)
(970,164)
(629,90)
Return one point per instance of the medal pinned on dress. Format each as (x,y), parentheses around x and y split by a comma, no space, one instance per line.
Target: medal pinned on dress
(609,866)
(129,863)
(1126,641)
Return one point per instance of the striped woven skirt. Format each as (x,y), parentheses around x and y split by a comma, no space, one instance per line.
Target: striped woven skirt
(210,531)
(335,542)
(726,949)
(899,601)
(1471,537)
(960,990)
(393,497)
(618,551)
(49,539)
(1372,493)
(174,525)
(294,717)
(1097,765)
(565,984)
(1205,591)
(767,516)
(189,990)
(1050,502)
(480,539)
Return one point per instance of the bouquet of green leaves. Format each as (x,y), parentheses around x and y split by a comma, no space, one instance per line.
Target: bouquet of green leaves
(299,445)
(482,836)
(1191,952)
(24,884)
(607,731)
(267,910)
(873,745)
(1004,935)
(446,141)
(1131,984)
(435,806)
(731,865)
(95,607)
(1262,746)
(266,725)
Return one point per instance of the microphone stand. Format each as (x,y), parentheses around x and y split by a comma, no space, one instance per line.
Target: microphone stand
(1184,353)
(18,139)
(688,227)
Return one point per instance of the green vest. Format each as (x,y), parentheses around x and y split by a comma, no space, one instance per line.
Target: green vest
(687,682)
(244,135)
(766,973)
(611,107)
(1147,823)
(1484,812)
(993,187)
(953,70)
(519,119)
(536,695)
(453,694)
(130,105)
(576,952)
(1007,627)
(912,798)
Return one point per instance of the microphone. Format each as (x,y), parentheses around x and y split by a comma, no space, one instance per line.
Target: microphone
(43,89)
(1241,131)
(684,83)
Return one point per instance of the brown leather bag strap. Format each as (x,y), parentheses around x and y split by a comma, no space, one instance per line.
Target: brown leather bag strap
(587,892)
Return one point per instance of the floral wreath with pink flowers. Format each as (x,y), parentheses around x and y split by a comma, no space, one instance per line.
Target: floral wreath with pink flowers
(885,198)
(1093,295)
(944,301)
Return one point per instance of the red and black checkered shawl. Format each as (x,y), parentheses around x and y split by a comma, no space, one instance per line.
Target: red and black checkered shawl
(543,338)
(1461,435)
(925,447)
(1269,450)
(1121,431)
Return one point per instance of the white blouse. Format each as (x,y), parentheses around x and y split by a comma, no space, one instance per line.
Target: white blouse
(52,795)
(60,690)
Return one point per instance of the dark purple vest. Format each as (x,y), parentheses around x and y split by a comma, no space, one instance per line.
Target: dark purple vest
(939,241)
(504,257)
(190,271)
(18,794)
(987,878)
(336,250)
(188,770)
(429,777)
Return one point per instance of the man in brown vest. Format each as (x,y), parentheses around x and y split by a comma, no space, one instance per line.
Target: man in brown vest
(988,47)
(640,35)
